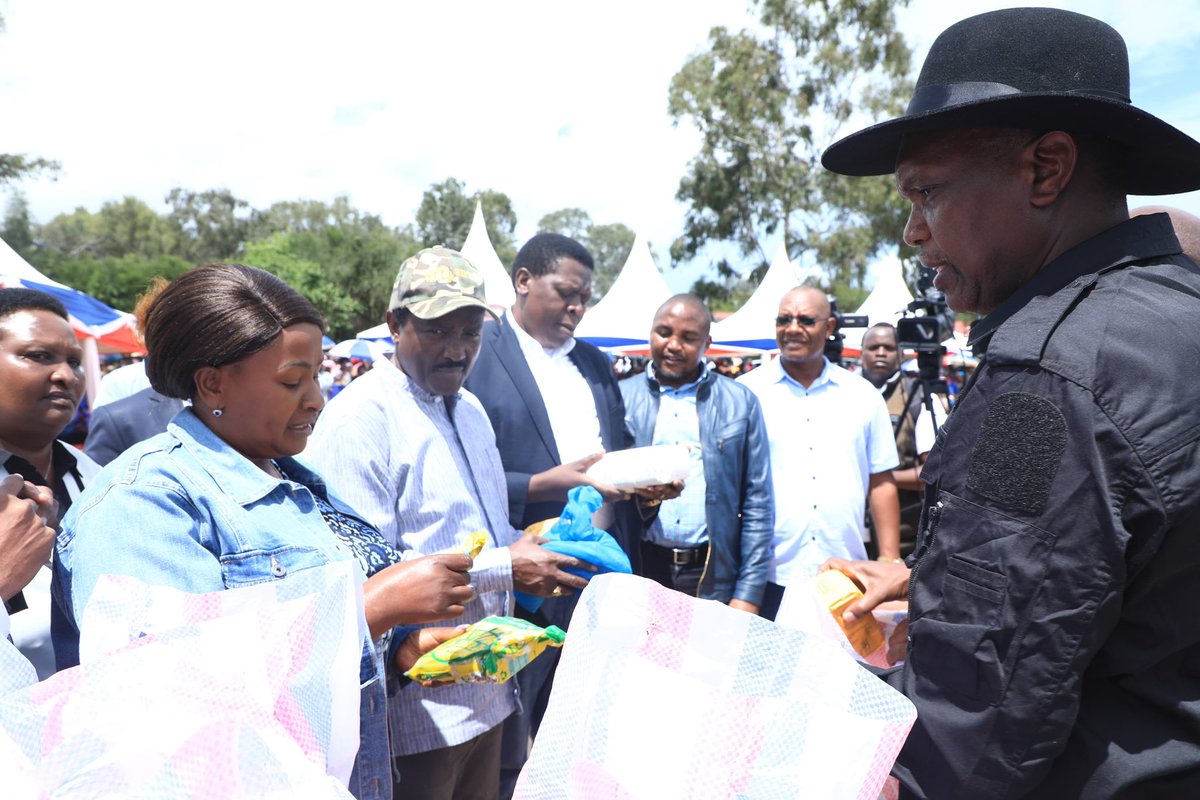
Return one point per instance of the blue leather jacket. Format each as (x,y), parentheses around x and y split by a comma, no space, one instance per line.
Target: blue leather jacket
(740,503)
(185,510)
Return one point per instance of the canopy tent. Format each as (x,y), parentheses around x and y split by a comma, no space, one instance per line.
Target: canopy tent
(887,302)
(752,327)
(621,320)
(99,327)
(497,283)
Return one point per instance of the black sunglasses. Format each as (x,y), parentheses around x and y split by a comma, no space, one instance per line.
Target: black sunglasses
(784,320)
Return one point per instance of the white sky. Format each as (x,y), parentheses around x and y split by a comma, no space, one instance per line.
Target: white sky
(556,103)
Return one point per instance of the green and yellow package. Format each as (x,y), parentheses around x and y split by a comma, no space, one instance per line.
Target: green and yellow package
(489,651)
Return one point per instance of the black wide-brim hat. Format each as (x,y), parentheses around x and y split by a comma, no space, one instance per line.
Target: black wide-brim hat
(1039,68)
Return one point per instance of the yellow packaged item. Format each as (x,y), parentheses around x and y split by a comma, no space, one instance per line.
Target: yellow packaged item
(489,651)
(540,528)
(472,544)
(837,591)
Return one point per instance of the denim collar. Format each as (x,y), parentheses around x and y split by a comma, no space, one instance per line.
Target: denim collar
(229,469)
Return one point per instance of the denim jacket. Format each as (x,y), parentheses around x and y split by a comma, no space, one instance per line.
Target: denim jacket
(184,509)
(739,499)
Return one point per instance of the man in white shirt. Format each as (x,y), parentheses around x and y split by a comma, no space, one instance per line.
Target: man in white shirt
(832,450)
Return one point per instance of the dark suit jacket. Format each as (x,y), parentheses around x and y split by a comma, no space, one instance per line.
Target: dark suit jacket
(117,426)
(504,384)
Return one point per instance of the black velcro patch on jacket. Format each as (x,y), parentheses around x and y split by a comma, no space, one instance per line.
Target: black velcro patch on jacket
(1018,451)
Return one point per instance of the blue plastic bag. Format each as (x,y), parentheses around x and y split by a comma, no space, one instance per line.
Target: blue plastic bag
(574,535)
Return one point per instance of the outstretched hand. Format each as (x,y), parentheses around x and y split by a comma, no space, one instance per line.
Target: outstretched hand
(553,484)
(881,581)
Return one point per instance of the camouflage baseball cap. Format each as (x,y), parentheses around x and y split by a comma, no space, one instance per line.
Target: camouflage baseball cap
(436,281)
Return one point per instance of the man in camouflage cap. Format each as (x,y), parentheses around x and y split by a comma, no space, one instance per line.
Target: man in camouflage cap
(416,456)
(436,281)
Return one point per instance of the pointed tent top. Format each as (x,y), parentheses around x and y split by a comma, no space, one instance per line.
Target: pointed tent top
(624,315)
(753,325)
(886,302)
(478,249)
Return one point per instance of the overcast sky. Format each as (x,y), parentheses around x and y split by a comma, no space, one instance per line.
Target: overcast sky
(555,103)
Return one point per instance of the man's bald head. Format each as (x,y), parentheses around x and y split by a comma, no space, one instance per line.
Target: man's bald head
(687,304)
(811,296)
(679,338)
(1187,227)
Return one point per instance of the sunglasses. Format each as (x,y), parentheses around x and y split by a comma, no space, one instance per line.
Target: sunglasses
(805,322)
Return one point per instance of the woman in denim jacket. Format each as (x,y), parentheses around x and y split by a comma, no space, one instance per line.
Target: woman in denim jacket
(217,501)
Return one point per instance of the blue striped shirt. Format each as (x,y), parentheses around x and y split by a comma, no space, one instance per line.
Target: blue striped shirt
(425,470)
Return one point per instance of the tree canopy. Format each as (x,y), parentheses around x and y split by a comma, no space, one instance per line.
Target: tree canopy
(767,103)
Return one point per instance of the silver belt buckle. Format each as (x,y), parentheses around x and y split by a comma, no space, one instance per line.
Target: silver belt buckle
(681,558)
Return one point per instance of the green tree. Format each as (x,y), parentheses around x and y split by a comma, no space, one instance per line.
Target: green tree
(16,167)
(117,281)
(610,245)
(277,254)
(573,222)
(132,228)
(18,230)
(446,212)
(766,106)
(73,234)
(209,226)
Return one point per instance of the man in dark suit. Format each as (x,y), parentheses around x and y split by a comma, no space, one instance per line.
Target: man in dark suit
(119,425)
(555,406)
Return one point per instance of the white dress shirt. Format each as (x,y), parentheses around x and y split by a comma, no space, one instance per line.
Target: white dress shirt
(568,397)
(826,441)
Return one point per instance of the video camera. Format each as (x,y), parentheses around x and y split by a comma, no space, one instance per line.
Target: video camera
(926,323)
(833,345)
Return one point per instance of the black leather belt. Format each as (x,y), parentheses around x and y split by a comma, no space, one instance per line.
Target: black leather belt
(685,556)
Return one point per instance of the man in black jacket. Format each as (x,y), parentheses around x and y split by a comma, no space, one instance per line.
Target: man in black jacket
(714,540)
(1054,639)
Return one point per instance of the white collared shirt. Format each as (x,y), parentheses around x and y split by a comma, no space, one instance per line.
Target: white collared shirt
(568,397)
(826,441)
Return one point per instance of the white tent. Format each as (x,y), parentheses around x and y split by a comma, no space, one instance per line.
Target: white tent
(497,283)
(886,303)
(753,325)
(622,318)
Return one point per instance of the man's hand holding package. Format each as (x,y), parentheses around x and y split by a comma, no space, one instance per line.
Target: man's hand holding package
(421,590)
(541,572)
(881,581)
(554,483)
(420,642)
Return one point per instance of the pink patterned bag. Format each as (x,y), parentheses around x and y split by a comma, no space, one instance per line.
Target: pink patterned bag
(660,696)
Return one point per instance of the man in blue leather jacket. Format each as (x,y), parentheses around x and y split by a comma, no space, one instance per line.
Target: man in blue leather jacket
(714,540)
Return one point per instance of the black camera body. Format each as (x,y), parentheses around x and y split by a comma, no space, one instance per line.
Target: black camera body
(833,345)
(923,328)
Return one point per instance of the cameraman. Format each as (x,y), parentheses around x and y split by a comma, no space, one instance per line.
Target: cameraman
(905,398)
